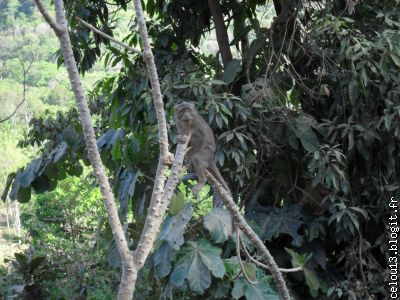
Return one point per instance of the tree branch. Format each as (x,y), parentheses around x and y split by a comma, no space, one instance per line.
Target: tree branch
(221,31)
(237,231)
(101,33)
(60,28)
(25,72)
(49,19)
(155,84)
(241,223)
(158,208)
(260,264)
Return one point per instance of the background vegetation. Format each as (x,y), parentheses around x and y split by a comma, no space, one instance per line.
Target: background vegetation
(306,113)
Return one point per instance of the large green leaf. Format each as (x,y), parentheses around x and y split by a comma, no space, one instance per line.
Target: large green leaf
(162,259)
(219,224)
(303,129)
(211,257)
(24,194)
(231,71)
(312,280)
(127,179)
(60,151)
(29,174)
(220,290)
(195,265)
(174,227)
(177,203)
(285,220)
(260,291)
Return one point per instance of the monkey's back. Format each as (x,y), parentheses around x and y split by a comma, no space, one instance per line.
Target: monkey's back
(202,138)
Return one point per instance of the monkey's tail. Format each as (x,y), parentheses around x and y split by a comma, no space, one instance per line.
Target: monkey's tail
(214,171)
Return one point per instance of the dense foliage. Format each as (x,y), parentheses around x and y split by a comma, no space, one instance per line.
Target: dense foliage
(307,115)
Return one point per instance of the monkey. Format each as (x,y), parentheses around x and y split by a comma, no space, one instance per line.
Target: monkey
(201,144)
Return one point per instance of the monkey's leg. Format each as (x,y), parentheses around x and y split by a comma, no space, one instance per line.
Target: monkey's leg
(199,168)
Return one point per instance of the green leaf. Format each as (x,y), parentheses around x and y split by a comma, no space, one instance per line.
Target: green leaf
(210,255)
(220,290)
(10,179)
(231,267)
(259,291)
(195,265)
(29,174)
(312,280)
(306,136)
(174,227)
(35,263)
(219,224)
(75,170)
(251,270)
(395,59)
(231,71)
(364,77)
(297,259)
(162,260)
(41,184)
(21,258)
(24,194)
(116,150)
(177,203)
(285,220)
(113,259)
(217,82)
(60,151)
(354,91)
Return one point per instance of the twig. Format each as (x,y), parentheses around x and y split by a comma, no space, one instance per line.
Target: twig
(104,35)
(260,264)
(25,71)
(239,258)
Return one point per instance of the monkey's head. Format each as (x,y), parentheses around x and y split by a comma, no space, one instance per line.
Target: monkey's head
(185,112)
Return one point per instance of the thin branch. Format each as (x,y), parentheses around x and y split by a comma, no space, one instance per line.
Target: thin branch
(239,258)
(260,264)
(253,237)
(104,35)
(49,19)
(14,112)
(25,72)
(165,155)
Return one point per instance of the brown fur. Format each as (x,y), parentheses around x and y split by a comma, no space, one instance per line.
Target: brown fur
(201,144)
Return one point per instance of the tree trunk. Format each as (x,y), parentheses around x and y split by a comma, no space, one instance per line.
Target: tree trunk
(221,32)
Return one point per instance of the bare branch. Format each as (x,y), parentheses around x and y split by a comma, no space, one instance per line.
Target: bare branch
(239,258)
(14,111)
(165,155)
(49,19)
(128,276)
(101,33)
(260,264)
(158,207)
(249,232)
(25,73)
